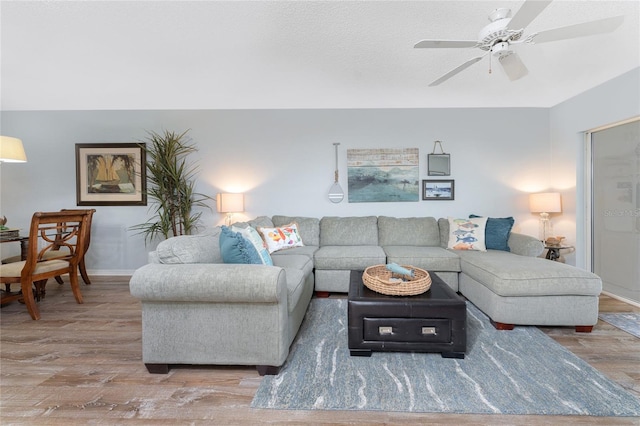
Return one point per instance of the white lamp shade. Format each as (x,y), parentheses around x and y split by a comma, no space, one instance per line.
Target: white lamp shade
(230,203)
(11,150)
(545,202)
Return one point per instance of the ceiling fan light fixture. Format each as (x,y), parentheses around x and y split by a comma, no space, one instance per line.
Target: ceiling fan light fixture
(500,49)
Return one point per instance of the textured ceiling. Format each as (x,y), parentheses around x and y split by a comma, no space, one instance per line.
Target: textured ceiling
(74,55)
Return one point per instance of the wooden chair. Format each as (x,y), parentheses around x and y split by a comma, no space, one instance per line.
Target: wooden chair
(81,266)
(48,230)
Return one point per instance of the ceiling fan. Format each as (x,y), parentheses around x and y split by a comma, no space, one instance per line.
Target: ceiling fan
(499,37)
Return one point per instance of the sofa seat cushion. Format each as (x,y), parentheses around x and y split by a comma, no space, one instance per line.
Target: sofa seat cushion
(507,274)
(297,251)
(295,286)
(299,262)
(348,257)
(428,258)
(297,268)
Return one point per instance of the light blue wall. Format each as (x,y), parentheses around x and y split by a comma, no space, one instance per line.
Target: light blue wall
(614,101)
(283,160)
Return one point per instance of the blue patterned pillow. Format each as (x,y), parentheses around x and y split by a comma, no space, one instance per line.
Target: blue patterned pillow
(467,234)
(234,248)
(497,232)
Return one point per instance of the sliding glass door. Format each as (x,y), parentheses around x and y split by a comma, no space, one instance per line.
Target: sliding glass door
(615,199)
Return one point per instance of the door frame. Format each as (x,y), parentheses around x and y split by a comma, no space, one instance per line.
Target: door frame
(588,198)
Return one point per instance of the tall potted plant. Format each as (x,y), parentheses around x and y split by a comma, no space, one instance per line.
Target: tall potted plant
(170,186)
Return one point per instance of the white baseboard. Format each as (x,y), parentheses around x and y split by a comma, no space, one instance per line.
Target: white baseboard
(622,299)
(110,272)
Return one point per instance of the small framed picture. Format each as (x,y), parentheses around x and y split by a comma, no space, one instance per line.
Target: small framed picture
(111,174)
(438,189)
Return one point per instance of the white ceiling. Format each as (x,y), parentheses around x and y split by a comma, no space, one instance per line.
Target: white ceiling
(76,55)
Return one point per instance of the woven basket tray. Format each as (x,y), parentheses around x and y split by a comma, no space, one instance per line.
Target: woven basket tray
(378,278)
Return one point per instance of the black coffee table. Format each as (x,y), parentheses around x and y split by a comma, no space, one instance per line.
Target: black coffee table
(434,321)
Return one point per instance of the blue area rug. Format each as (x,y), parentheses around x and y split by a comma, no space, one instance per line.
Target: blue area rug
(522,371)
(625,321)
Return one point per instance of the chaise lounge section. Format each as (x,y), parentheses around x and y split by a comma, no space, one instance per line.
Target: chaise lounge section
(513,289)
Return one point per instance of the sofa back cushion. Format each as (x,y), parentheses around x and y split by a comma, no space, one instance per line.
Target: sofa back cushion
(443,225)
(260,221)
(201,248)
(408,231)
(308,227)
(349,231)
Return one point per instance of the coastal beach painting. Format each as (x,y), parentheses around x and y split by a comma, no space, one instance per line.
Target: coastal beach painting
(438,189)
(383,175)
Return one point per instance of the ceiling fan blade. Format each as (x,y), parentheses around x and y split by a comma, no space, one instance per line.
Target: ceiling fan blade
(513,66)
(600,26)
(527,13)
(435,44)
(456,70)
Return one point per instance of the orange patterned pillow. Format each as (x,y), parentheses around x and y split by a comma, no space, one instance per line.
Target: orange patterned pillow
(282,237)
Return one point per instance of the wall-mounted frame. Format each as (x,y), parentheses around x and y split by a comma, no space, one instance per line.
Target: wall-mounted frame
(383,175)
(439,164)
(438,189)
(111,174)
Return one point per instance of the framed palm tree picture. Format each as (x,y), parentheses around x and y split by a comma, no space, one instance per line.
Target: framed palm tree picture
(111,174)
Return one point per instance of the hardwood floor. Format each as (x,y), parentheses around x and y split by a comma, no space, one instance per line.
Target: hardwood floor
(81,364)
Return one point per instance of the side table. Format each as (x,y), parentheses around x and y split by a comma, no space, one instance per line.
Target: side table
(6,294)
(553,252)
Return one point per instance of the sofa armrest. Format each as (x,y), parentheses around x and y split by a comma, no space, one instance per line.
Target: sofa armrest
(225,283)
(200,248)
(525,245)
(152,257)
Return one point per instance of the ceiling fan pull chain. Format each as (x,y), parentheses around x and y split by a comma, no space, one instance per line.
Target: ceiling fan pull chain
(490,63)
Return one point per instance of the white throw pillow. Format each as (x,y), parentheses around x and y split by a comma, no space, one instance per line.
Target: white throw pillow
(467,234)
(282,237)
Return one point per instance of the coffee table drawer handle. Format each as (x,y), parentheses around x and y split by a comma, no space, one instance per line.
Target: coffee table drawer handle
(428,330)
(385,331)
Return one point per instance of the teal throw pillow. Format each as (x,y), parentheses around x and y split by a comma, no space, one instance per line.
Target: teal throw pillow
(252,236)
(497,232)
(234,248)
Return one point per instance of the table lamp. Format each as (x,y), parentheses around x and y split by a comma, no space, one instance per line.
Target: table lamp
(11,150)
(230,203)
(545,203)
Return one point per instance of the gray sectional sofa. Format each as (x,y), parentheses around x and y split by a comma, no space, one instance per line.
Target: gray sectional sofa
(198,310)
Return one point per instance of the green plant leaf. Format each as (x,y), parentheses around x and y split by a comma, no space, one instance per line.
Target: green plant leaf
(170,186)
